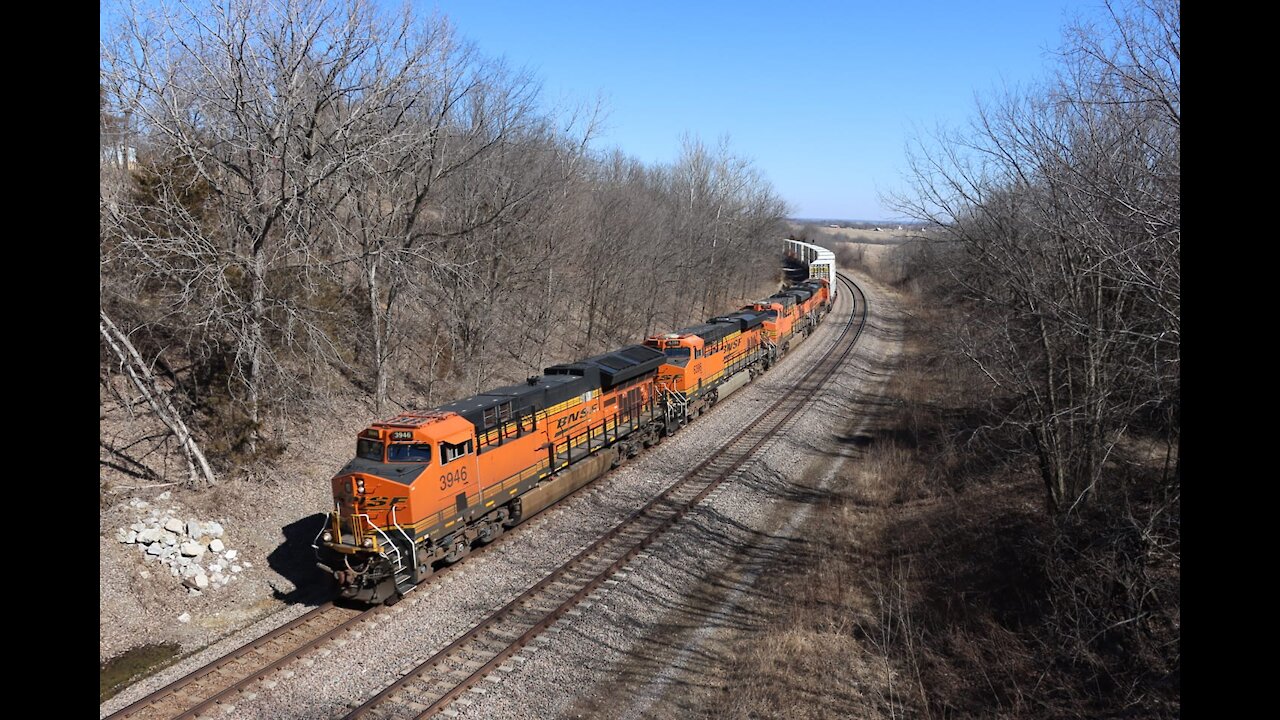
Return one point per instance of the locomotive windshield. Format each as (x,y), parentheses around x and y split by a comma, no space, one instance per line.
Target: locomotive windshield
(677,353)
(409,452)
(369,449)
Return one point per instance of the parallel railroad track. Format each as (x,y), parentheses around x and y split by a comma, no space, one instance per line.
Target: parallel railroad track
(431,686)
(221,682)
(222,678)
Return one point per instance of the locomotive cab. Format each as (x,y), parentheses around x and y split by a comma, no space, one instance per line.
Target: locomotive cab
(777,318)
(683,360)
(407,472)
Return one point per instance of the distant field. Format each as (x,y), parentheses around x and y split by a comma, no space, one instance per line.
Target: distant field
(888,235)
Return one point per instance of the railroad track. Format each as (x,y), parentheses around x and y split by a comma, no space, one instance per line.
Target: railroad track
(219,684)
(212,684)
(431,686)
(210,690)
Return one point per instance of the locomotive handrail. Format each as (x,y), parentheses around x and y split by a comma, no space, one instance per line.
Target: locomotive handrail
(379,531)
(397,524)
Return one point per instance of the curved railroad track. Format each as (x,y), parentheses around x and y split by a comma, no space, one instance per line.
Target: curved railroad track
(431,686)
(208,690)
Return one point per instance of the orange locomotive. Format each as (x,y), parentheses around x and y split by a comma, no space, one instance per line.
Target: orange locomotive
(792,314)
(707,362)
(425,487)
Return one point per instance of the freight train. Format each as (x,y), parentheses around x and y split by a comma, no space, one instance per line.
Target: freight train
(426,487)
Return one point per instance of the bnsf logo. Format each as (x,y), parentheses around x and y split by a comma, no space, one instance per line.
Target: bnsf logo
(572,418)
(724,346)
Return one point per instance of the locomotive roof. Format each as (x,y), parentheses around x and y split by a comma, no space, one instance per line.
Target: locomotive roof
(711,332)
(539,393)
(744,319)
(560,383)
(613,368)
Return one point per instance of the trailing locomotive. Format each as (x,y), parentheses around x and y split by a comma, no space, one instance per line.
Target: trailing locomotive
(425,487)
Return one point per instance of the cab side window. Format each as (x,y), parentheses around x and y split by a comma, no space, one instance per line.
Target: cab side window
(450,452)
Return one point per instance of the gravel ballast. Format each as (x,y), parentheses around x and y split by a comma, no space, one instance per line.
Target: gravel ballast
(571,667)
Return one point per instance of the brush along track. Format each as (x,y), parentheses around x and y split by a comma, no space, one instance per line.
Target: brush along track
(435,683)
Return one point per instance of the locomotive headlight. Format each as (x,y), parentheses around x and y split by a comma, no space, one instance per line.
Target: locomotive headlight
(328,537)
(360,486)
(368,542)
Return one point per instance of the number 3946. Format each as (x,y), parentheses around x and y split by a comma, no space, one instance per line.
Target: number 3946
(455,477)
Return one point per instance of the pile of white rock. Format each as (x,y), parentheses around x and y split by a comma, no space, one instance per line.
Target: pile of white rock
(192,550)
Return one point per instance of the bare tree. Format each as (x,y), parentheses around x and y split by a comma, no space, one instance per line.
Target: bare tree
(264,105)
(139,372)
(1062,212)
(329,197)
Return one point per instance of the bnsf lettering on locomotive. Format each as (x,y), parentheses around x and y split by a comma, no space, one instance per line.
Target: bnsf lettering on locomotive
(452,478)
(374,502)
(572,417)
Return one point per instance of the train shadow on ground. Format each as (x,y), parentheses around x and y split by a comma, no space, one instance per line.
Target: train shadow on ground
(295,560)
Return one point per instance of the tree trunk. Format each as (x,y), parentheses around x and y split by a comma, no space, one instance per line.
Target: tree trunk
(197,466)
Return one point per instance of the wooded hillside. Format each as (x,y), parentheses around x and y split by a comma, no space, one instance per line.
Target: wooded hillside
(309,201)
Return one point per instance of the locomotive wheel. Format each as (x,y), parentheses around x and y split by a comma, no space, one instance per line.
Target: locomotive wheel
(495,531)
(456,553)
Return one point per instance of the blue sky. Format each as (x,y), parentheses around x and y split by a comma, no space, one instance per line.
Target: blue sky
(822,96)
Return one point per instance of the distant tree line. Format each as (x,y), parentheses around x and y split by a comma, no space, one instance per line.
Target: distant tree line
(306,199)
